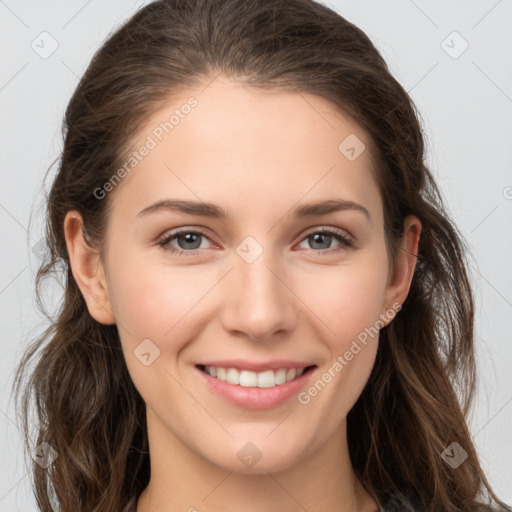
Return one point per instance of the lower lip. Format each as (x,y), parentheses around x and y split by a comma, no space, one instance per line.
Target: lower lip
(254,397)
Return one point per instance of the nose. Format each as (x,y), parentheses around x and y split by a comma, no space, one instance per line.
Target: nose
(258,301)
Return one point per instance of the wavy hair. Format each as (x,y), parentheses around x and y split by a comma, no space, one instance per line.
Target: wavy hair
(417,399)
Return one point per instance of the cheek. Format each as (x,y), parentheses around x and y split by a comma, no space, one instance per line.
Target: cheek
(345,298)
(149,305)
(348,300)
(351,308)
(150,299)
(153,322)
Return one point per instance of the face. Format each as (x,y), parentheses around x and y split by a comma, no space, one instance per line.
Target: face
(268,282)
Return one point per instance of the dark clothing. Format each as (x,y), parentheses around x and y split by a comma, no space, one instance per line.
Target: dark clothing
(400,504)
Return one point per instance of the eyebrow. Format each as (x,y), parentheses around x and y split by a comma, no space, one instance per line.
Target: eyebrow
(213,211)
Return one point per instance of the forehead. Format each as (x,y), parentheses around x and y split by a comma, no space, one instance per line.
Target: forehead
(240,146)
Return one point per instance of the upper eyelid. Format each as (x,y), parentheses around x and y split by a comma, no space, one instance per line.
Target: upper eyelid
(338,231)
(173,234)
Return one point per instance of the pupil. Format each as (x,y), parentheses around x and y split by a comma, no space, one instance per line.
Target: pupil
(317,238)
(189,239)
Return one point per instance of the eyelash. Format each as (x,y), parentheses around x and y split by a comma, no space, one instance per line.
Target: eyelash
(165,242)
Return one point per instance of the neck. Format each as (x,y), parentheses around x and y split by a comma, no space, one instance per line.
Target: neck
(182,480)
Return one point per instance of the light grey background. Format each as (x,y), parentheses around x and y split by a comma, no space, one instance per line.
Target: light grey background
(466,106)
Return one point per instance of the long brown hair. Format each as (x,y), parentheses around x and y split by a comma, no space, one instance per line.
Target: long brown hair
(420,391)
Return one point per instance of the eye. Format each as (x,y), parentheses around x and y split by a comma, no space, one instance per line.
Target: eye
(188,241)
(321,239)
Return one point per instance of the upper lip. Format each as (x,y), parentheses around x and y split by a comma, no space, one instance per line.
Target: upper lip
(241,364)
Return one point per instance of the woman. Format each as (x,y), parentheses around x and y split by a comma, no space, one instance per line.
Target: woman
(312,349)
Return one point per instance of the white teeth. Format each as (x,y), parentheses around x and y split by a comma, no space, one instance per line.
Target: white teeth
(232,376)
(281,376)
(291,374)
(245,378)
(267,379)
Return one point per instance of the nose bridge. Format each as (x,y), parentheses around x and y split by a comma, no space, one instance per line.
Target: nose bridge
(258,303)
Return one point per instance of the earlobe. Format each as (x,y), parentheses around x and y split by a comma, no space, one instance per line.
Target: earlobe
(401,279)
(87,270)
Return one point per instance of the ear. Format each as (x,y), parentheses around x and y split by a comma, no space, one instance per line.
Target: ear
(400,280)
(87,270)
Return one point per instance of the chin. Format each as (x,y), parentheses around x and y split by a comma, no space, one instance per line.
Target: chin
(253,458)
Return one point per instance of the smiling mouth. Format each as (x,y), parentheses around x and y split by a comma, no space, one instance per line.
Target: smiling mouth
(249,379)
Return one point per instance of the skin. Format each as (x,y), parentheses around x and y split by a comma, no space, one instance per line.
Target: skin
(257,155)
